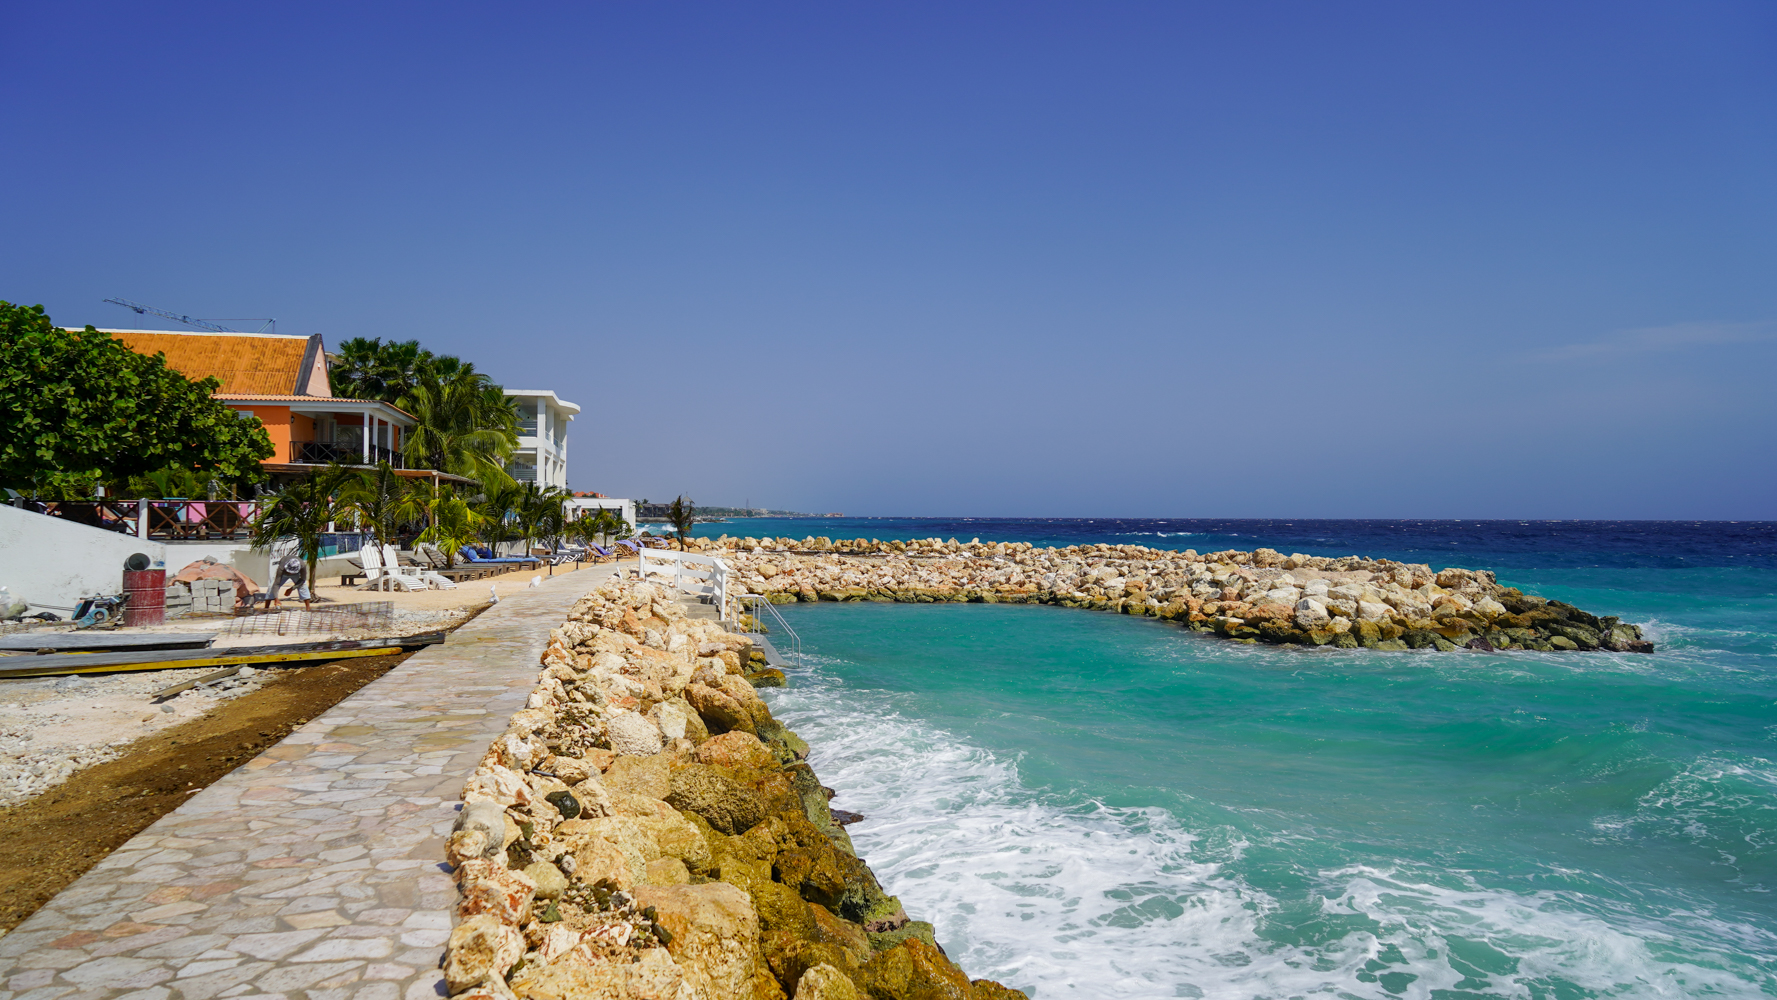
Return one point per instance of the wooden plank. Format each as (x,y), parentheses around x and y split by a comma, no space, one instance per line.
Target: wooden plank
(99,642)
(178,660)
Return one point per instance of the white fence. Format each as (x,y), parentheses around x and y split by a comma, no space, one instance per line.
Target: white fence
(692,574)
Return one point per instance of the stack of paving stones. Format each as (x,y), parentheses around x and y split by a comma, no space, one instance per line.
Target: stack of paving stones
(313,870)
(213,597)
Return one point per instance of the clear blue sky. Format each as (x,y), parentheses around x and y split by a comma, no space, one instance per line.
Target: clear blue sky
(1169,259)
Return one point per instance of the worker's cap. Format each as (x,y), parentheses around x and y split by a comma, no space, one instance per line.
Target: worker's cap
(292,564)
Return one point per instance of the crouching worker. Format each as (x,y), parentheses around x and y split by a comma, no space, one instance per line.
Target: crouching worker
(295,572)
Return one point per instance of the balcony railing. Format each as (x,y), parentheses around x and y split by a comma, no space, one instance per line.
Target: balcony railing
(349,453)
(166,520)
(181,520)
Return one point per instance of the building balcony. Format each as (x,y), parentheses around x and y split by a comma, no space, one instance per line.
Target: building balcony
(345,453)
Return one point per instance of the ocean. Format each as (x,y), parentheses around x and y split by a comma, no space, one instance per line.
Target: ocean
(1090,805)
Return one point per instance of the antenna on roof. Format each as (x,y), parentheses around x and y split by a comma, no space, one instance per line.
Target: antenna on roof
(140,309)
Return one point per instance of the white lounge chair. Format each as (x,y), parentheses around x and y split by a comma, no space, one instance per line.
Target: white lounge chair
(382,571)
(425,576)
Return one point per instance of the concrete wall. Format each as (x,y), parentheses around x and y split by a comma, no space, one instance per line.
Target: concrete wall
(55,562)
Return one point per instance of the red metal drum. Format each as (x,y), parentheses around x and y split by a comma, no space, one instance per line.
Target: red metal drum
(145,594)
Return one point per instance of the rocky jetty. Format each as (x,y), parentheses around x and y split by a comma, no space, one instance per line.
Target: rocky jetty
(645,829)
(1258,596)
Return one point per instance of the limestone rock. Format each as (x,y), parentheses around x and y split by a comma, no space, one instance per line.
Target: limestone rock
(736,687)
(571,770)
(496,891)
(824,982)
(550,881)
(1311,614)
(650,776)
(735,749)
(723,802)
(479,948)
(913,970)
(594,800)
(667,871)
(671,720)
(498,784)
(602,851)
(650,975)
(633,735)
(714,935)
(1372,611)
(720,712)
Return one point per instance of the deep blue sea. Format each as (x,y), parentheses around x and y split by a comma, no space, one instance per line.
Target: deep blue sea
(1088,805)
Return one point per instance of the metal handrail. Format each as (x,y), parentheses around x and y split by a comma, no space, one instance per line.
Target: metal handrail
(754,600)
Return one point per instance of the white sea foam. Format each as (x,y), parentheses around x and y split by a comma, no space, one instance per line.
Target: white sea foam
(1083,900)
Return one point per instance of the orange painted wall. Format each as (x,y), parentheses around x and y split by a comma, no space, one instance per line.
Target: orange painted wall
(282,427)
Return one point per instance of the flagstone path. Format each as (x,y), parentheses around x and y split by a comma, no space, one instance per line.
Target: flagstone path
(316,869)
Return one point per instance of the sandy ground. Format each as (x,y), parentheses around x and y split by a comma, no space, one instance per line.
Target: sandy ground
(51,727)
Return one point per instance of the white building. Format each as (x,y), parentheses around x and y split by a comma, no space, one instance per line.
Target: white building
(625,509)
(542,455)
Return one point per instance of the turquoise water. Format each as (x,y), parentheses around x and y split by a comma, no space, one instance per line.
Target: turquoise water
(1091,805)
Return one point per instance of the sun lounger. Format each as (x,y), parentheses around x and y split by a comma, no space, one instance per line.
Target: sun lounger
(518,562)
(382,570)
(426,577)
(440,564)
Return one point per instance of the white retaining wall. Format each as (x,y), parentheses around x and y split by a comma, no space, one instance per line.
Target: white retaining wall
(53,561)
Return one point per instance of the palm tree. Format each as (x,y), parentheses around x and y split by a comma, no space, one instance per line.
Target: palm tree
(382,498)
(367,368)
(454,525)
(683,515)
(499,510)
(464,425)
(541,511)
(302,511)
(612,525)
(598,528)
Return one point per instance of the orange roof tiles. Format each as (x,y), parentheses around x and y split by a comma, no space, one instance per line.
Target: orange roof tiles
(245,363)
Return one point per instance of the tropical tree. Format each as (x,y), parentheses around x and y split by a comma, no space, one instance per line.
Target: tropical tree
(302,511)
(612,525)
(598,528)
(541,512)
(683,515)
(79,406)
(454,525)
(171,481)
(383,499)
(367,368)
(499,512)
(464,425)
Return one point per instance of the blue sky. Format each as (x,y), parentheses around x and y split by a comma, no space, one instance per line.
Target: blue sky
(1342,260)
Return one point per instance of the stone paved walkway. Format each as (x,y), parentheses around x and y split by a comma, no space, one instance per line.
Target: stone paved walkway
(314,870)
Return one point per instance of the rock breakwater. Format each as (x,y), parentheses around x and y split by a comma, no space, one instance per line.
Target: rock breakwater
(1257,596)
(645,829)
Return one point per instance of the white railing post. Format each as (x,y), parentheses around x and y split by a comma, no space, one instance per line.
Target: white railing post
(142,518)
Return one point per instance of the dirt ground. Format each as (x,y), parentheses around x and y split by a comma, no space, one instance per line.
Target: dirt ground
(48,842)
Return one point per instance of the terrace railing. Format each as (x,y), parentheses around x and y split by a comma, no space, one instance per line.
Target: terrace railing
(160,520)
(345,453)
(705,576)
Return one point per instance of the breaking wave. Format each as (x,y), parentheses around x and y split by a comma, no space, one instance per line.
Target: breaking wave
(1066,897)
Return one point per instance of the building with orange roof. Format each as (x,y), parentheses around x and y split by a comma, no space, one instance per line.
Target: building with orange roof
(282,380)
